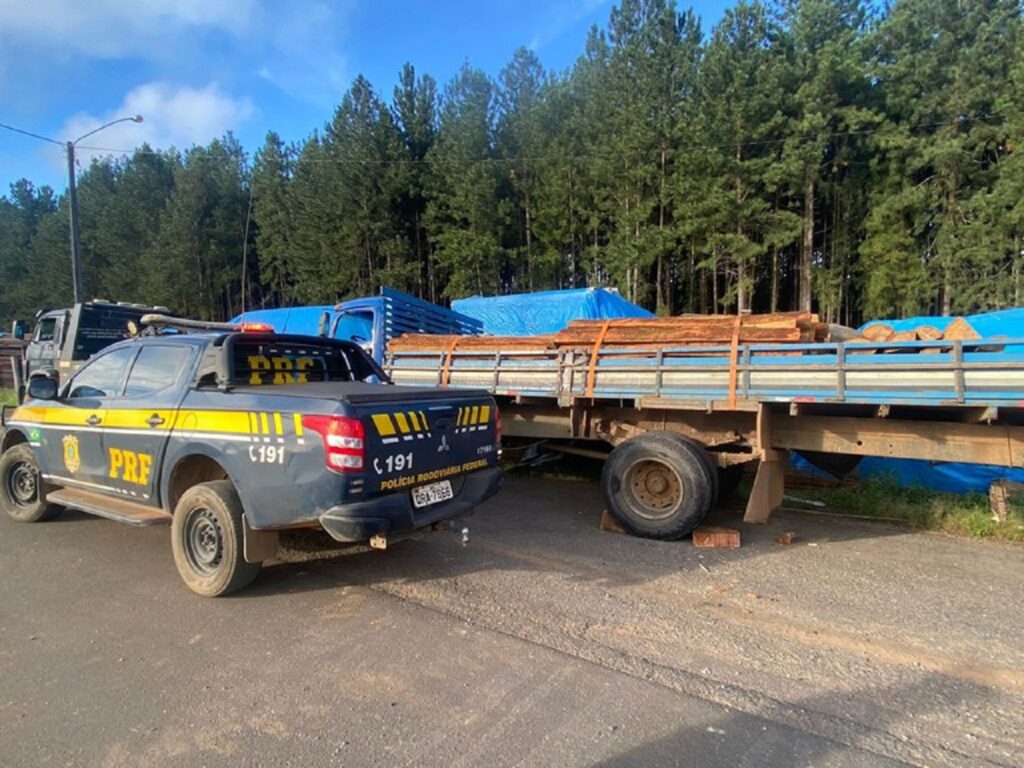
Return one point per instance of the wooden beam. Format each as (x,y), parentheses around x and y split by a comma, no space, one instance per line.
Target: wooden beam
(905,439)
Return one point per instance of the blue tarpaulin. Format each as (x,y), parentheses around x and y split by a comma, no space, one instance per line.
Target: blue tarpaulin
(938,475)
(1008,323)
(525,314)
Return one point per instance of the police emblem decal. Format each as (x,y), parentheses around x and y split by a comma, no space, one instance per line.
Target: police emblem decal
(72,458)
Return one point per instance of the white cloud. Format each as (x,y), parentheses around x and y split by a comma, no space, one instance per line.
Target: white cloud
(115,28)
(173,116)
(295,44)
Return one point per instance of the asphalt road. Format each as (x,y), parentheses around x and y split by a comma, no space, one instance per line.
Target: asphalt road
(545,642)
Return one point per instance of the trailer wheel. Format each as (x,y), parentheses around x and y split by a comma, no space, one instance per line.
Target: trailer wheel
(206,538)
(659,485)
(22,488)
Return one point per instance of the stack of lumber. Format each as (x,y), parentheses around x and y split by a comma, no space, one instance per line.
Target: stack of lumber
(639,333)
(686,331)
(695,330)
(428,342)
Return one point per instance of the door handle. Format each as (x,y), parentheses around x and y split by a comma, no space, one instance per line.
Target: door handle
(93,420)
(155,420)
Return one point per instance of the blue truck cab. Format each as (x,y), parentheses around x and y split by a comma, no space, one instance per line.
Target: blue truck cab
(234,433)
(371,321)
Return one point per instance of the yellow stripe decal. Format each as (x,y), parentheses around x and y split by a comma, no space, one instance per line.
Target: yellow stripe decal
(423,421)
(485,414)
(458,422)
(415,420)
(278,425)
(131,418)
(297,418)
(232,422)
(383,423)
(228,422)
(476,415)
(403,425)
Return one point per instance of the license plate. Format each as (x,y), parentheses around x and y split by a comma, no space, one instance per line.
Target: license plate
(434,493)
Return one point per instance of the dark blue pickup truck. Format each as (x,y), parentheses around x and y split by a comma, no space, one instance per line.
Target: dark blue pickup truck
(232,434)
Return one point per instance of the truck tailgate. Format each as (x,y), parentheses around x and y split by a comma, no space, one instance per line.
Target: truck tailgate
(416,442)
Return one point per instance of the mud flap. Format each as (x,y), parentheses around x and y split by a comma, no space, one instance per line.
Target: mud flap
(258,545)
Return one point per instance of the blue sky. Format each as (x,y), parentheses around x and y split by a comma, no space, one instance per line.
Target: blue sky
(197,68)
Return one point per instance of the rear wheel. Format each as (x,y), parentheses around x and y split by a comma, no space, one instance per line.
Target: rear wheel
(659,485)
(22,488)
(207,540)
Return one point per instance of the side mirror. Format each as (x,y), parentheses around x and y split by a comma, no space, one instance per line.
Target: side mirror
(322,326)
(18,330)
(42,388)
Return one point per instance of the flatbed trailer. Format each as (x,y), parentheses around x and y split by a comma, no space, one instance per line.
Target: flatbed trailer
(673,416)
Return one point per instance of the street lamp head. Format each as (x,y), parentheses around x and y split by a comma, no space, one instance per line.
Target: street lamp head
(137,119)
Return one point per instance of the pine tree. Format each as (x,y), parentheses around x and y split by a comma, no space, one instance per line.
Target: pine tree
(415,115)
(271,215)
(464,214)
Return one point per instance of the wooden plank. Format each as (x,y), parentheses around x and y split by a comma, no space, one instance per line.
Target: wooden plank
(925,440)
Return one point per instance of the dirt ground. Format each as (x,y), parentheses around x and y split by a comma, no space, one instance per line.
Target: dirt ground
(543,642)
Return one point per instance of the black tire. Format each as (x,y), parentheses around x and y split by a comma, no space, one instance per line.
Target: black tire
(22,489)
(659,485)
(207,540)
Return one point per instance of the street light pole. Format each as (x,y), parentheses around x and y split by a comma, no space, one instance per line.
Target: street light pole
(76,243)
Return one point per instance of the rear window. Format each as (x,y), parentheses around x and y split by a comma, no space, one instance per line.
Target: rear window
(257,363)
(99,327)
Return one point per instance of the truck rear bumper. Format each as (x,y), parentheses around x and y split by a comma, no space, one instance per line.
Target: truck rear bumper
(395,512)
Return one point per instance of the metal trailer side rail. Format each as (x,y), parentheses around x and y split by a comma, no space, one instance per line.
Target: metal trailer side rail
(941,401)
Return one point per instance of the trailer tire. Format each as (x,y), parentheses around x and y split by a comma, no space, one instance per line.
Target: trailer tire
(22,489)
(207,540)
(659,485)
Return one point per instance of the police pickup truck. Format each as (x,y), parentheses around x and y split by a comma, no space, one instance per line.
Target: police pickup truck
(233,433)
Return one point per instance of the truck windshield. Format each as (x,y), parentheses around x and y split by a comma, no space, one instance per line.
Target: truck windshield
(261,362)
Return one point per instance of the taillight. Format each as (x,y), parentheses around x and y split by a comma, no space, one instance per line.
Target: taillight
(344,447)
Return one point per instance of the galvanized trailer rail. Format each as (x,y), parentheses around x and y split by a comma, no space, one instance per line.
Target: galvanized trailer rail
(909,373)
(936,400)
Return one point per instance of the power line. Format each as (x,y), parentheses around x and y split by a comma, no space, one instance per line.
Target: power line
(33,135)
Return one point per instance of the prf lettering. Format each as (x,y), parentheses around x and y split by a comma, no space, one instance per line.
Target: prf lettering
(279,370)
(129,466)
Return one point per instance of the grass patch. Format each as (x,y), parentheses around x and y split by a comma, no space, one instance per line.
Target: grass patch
(960,514)
(8,397)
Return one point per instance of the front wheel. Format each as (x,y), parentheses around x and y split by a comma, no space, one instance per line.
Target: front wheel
(22,488)
(659,485)
(207,540)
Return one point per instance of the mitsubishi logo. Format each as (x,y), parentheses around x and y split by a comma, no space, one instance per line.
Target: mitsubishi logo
(443,446)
